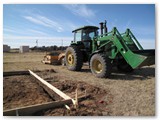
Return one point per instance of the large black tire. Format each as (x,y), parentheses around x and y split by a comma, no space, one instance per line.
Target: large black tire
(123,66)
(73,58)
(100,66)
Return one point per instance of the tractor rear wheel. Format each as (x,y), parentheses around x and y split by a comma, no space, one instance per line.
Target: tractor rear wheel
(73,58)
(100,65)
(123,66)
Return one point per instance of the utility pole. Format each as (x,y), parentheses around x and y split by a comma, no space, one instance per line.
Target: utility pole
(37,43)
(62,44)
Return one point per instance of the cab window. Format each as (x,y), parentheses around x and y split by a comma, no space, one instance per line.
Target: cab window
(89,34)
(78,35)
(92,34)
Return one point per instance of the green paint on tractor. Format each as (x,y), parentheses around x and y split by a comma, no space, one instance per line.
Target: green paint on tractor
(107,50)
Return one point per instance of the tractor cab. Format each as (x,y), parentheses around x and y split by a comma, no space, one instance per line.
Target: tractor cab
(86,35)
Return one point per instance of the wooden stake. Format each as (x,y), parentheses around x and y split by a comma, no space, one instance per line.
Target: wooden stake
(85,92)
(76,99)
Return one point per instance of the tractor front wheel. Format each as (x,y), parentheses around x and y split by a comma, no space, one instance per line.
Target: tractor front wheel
(73,58)
(100,66)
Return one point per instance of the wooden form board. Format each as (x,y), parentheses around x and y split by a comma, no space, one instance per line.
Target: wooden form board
(51,87)
(12,73)
(29,110)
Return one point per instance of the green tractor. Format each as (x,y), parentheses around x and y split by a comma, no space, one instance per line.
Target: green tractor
(106,50)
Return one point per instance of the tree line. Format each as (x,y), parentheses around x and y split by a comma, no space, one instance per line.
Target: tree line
(49,48)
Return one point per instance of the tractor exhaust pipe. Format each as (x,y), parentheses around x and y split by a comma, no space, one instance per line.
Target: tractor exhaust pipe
(105,27)
(101,27)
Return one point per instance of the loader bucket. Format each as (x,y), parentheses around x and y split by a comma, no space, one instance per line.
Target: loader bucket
(135,55)
(149,57)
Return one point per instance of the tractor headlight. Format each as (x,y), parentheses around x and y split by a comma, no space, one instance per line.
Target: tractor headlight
(98,43)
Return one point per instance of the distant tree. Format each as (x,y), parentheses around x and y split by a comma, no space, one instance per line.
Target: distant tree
(55,47)
(48,48)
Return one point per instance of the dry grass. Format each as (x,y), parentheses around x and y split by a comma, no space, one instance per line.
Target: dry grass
(133,94)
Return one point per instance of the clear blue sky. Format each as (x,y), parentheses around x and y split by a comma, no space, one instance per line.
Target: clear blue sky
(23,24)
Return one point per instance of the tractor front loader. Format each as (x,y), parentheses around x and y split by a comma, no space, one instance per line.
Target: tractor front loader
(106,50)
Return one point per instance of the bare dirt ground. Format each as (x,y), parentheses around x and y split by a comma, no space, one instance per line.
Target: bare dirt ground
(26,91)
(132,94)
(19,91)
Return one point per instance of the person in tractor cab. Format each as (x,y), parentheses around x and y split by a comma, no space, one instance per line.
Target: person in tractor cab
(86,39)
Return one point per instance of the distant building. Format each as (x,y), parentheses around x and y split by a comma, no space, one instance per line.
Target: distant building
(24,49)
(6,48)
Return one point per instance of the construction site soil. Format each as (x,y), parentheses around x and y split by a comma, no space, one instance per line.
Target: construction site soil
(130,94)
(20,91)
